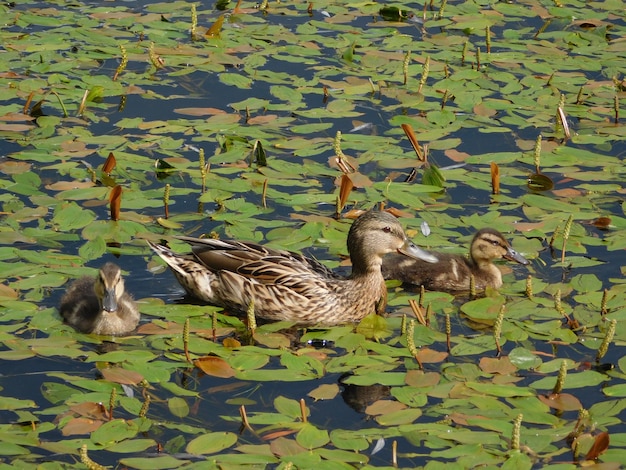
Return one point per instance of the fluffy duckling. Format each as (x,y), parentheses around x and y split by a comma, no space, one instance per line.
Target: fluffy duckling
(284,285)
(100,305)
(452,273)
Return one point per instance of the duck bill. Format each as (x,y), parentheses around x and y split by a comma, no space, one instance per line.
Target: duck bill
(413,251)
(513,255)
(109,302)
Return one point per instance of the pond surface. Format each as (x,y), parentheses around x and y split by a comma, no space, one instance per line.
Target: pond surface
(480,84)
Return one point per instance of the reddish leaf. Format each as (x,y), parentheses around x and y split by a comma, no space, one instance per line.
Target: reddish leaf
(419,378)
(215,366)
(408,130)
(286,447)
(121,376)
(426,355)
(109,164)
(383,407)
(561,401)
(495,178)
(602,222)
(456,156)
(90,409)
(80,426)
(600,445)
(344,190)
(497,365)
(115,200)
(360,180)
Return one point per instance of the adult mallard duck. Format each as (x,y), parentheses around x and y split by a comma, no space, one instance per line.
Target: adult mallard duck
(100,305)
(283,285)
(453,272)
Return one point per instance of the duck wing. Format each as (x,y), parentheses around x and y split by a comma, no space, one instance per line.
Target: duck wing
(253,260)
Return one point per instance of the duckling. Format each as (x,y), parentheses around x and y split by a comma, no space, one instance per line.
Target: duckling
(100,305)
(283,285)
(453,272)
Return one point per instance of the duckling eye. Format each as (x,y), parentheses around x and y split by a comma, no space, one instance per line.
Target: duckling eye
(387,229)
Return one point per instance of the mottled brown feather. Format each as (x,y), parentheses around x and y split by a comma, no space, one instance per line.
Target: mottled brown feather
(452,273)
(288,286)
(100,305)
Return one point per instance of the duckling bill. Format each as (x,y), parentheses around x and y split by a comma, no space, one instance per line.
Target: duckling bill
(100,305)
(283,285)
(452,273)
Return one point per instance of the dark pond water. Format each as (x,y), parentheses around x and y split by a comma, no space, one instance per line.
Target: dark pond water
(274,66)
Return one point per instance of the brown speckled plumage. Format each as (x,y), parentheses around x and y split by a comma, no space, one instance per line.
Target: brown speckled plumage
(452,273)
(288,286)
(100,305)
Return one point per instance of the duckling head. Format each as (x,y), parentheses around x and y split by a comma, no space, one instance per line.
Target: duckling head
(109,286)
(376,233)
(489,244)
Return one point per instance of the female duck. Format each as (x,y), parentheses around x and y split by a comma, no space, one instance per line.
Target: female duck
(283,285)
(453,272)
(100,305)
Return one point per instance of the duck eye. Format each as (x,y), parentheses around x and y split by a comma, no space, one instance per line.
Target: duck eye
(387,229)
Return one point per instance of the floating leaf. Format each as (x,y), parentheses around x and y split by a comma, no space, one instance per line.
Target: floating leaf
(178,407)
(114,431)
(121,376)
(215,366)
(211,443)
(324,392)
(78,426)
(540,182)
(311,438)
(393,14)
(561,401)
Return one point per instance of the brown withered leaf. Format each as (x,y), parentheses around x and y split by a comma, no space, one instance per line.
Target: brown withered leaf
(495,178)
(121,376)
(80,426)
(214,366)
(497,365)
(115,202)
(561,401)
(427,355)
(602,223)
(231,343)
(344,190)
(599,446)
(410,133)
(109,164)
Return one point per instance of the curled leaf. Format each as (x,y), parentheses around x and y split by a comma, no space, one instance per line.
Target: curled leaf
(115,201)
(539,182)
(495,178)
(109,164)
(215,30)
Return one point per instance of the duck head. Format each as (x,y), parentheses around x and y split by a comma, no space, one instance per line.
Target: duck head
(489,244)
(376,233)
(109,286)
